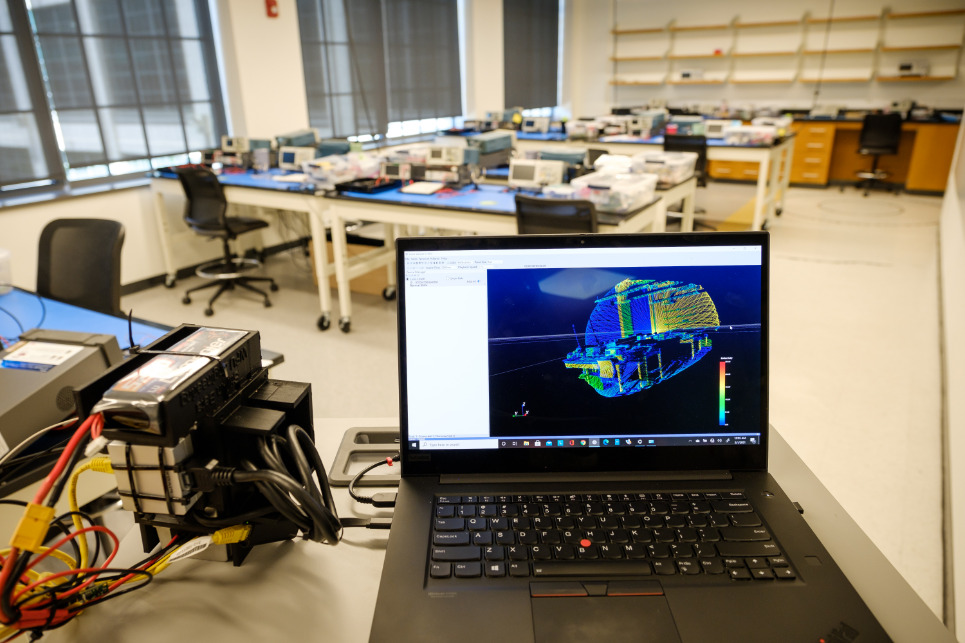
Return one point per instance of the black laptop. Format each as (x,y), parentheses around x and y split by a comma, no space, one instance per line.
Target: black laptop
(584,449)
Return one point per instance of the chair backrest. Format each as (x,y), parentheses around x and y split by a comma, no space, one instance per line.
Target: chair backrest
(690,143)
(592,154)
(206,206)
(79,262)
(536,215)
(880,134)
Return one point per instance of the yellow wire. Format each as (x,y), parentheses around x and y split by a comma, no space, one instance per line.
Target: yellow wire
(56,553)
(102,464)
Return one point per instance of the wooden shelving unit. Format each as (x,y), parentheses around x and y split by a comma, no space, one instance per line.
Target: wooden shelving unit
(818,52)
(925,14)
(759,52)
(922,48)
(913,79)
(772,23)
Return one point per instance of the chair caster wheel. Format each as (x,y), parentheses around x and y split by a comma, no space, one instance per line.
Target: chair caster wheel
(324,322)
(388,293)
(169,281)
(185,300)
(273,287)
(208,312)
(344,324)
(267,304)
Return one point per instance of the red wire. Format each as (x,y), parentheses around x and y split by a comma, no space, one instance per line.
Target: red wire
(63,460)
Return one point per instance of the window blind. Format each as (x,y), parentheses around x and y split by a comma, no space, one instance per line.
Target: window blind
(530,44)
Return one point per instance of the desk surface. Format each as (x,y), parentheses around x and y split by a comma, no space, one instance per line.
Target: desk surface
(251,179)
(306,591)
(484,199)
(25,310)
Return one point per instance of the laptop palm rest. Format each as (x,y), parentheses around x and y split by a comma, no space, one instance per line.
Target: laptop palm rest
(611,617)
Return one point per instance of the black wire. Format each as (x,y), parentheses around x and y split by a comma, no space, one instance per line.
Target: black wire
(230,521)
(325,522)
(319,467)
(24,462)
(301,462)
(358,476)
(13,317)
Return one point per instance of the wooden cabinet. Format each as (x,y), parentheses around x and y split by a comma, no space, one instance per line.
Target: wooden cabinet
(735,170)
(931,158)
(812,152)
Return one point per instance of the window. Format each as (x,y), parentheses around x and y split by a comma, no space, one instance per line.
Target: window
(129,85)
(380,67)
(530,52)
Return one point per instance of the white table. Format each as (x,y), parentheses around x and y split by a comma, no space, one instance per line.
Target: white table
(772,179)
(311,205)
(307,591)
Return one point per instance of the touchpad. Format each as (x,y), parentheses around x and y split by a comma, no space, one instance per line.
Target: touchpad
(603,618)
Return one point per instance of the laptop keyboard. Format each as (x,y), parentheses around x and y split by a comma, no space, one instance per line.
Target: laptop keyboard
(612,535)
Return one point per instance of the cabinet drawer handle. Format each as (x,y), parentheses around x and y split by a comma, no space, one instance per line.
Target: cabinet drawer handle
(818,130)
(723,170)
(815,145)
(814,159)
(810,175)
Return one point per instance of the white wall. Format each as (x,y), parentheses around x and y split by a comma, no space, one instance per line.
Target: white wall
(262,68)
(484,57)
(952,240)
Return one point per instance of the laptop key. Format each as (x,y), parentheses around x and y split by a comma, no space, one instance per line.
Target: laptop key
(592,568)
(440,570)
(453,554)
(744,533)
(746,520)
(518,569)
(496,570)
(732,506)
(450,524)
(467,570)
(450,538)
(727,549)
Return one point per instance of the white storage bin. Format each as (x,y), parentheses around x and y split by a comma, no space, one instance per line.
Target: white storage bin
(560,192)
(750,135)
(670,167)
(616,163)
(616,192)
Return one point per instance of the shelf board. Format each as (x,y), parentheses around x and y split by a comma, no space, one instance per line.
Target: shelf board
(636,82)
(696,56)
(912,79)
(925,14)
(620,59)
(695,82)
(627,32)
(771,23)
(821,21)
(760,81)
(864,79)
(754,54)
(862,50)
(923,48)
(699,27)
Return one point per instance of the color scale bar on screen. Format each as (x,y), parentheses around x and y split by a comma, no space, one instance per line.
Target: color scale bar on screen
(723,375)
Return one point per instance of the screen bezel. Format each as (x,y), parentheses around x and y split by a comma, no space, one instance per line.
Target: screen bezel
(670,458)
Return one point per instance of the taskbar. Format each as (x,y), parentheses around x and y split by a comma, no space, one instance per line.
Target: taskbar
(586,442)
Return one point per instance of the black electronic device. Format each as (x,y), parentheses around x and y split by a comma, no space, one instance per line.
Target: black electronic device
(197,433)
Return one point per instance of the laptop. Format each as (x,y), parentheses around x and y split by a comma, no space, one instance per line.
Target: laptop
(584,434)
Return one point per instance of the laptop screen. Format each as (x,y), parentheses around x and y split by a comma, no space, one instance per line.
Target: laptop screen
(576,353)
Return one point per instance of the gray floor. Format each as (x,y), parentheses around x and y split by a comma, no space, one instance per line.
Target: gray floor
(855,385)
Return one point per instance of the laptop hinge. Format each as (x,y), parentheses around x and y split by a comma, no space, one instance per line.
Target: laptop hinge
(604,476)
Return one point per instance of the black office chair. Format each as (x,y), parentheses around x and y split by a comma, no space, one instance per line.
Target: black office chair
(692,143)
(536,215)
(205,213)
(880,135)
(79,262)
